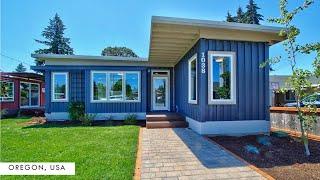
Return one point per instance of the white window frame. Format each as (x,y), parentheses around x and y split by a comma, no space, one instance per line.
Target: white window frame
(233,79)
(66,99)
(1,98)
(191,101)
(29,83)
(108,86)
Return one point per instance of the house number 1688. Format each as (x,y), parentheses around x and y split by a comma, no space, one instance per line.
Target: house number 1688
(203,63)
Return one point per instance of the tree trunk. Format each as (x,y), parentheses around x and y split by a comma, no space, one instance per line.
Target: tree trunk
(304,138)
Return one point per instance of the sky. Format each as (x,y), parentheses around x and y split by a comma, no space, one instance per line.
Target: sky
(95,24)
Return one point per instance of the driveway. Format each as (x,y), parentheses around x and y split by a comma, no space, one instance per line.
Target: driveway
(182,154)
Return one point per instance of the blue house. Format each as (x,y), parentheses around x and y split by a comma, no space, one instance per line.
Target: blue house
(207,71)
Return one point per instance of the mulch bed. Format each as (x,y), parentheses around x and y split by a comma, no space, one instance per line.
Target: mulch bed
(284,159)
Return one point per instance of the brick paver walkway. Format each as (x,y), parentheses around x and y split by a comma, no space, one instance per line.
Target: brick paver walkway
(182,154)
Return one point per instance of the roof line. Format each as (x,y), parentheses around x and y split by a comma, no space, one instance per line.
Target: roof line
(87,57)
(215,24)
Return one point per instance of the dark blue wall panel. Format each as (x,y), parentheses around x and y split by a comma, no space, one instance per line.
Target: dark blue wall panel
(181,85)
(79,90)
(252,82)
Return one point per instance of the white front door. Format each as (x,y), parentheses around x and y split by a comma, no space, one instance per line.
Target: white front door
(160,93)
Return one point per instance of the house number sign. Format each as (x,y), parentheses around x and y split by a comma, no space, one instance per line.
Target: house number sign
(203,63)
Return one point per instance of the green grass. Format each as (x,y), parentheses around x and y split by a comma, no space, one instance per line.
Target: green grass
(99,152)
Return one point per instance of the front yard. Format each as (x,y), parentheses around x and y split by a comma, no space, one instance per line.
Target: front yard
(280,157)
(99,152)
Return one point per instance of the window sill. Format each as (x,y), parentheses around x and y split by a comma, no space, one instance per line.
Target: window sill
(7,101)
(103,101)
(193,102)
(59,100)
(222,102)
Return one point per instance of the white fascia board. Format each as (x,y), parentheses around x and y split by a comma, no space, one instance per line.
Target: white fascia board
(215,24)
(86,57)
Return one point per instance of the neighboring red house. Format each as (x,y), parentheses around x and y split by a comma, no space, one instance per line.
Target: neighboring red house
(22,92)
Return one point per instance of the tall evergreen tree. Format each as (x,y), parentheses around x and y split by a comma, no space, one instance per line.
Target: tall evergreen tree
(240,15)
(21,68)
(55,40)
(252,16)
(229,17)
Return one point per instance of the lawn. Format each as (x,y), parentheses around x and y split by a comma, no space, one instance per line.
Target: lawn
(99,152)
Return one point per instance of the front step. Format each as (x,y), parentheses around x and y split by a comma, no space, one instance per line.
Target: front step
(166,124)
(165,117)
(165,120)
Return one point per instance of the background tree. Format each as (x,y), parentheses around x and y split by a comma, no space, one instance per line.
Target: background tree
(240,15)
(118,51)
(230,18)
(55,40)
(21,68)
(299,80)
(252,16)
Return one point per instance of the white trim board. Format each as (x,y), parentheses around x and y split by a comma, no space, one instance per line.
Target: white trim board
(229,127)
(63,116)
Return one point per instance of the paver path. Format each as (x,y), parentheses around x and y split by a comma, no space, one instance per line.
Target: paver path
(182,154)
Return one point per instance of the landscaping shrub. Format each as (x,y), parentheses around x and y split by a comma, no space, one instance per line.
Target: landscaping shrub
(264,140)
(87,119)
(130,119)
(252,149)
(3,113)
(76,110)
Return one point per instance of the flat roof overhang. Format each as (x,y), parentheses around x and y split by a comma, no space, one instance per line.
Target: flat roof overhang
(171,38)
(85,60)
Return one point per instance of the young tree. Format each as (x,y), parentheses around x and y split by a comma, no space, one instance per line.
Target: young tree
(230,18)
(55,40)
(252,16)
(240,15)
(118,51)
(299,79)
(21,68)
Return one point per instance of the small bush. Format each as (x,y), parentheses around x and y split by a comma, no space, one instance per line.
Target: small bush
(264,140)
(87,119)
(3,113)
(76,110)
(130,119)
(252,149)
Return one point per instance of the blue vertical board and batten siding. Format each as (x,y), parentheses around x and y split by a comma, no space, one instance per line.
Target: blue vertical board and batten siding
(181,85)
(251,83)
(79,90)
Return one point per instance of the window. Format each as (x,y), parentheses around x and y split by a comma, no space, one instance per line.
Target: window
(7,91)
(222,77)
(60,86)
(29,94)
(116,93)
(114,86)
(132,86)
(99,86)
(192,80)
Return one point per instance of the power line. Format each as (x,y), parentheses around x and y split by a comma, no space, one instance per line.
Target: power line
(8,57)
